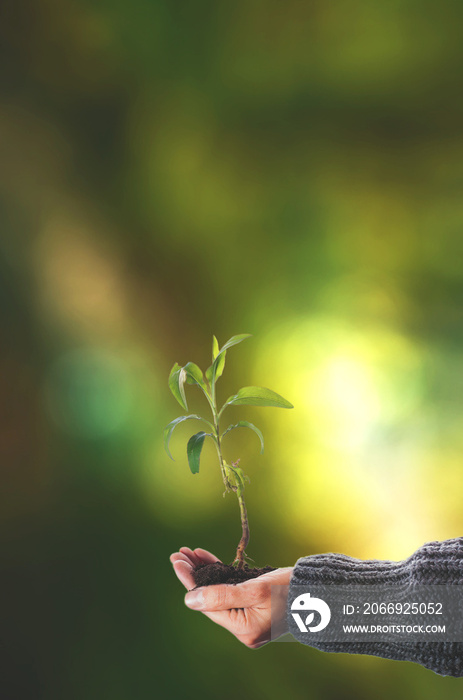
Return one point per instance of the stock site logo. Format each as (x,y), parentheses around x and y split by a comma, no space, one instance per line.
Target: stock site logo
(306,603)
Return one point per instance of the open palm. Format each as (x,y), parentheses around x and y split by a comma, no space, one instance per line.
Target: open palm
(254,611)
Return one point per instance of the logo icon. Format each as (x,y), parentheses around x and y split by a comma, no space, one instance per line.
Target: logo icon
(306,602)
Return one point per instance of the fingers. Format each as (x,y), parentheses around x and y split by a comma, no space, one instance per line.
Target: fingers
(205,556)
(242,609)
(227,597)
(186,560)
(178,556)
(184,572)
(195,560)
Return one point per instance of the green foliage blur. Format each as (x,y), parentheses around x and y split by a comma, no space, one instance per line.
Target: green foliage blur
(172,170)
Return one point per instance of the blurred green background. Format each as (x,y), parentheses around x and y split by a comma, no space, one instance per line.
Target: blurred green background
(171,170)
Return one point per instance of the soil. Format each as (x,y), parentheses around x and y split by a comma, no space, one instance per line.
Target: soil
(211,574)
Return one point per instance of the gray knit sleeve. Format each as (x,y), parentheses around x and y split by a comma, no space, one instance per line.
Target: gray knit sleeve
(433,563)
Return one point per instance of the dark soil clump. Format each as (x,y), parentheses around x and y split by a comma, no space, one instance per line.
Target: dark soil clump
(211,574)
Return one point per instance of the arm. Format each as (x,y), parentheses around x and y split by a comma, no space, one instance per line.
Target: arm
(433,563)
(245,610)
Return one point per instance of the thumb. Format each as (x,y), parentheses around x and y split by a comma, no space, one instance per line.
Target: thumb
(222,597)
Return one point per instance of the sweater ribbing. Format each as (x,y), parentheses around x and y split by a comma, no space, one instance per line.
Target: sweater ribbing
(435,563)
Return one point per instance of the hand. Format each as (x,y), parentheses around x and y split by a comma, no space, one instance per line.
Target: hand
(244,608)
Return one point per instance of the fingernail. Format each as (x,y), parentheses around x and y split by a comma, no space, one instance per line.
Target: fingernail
(194,599)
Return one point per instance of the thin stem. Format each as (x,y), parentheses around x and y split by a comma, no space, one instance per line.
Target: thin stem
(237,486)
(228,486)
(244,541)
(216,433)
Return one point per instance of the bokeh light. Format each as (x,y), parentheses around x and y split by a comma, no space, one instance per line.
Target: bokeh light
(88,393)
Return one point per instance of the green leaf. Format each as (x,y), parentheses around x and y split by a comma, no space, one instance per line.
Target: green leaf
(245,424)
(235,340)
(177,379)
(193,450)
(216,369)
(215,352)
(219,364)
(257,396)
(219,367)
(215,347)
(169,429)
(239,475)
(194,375)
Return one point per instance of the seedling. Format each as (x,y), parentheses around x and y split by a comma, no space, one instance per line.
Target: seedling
(233,477)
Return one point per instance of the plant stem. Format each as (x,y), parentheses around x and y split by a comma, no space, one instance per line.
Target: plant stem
(228,486)
(236,485)
(240,552)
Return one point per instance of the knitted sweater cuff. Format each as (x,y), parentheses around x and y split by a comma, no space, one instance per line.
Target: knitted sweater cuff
(433,563)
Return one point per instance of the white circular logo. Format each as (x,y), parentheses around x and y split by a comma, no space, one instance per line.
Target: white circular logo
(306,602)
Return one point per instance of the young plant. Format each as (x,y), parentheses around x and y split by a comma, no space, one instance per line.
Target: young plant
(232,475)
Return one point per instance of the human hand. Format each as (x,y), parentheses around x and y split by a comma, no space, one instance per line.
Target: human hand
(245,608)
